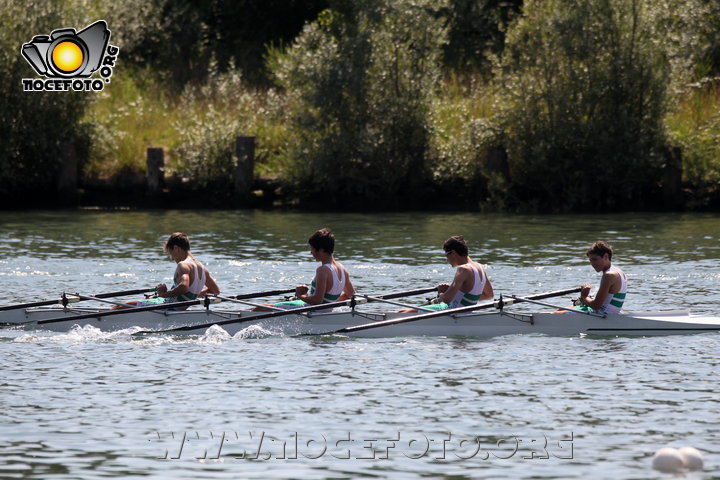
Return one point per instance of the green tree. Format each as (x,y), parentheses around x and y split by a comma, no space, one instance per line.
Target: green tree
(181,38)
(711,36)
(41,130)
(586,92)
(360,81)
(477,32)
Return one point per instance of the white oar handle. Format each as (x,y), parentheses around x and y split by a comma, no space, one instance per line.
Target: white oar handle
(71,299)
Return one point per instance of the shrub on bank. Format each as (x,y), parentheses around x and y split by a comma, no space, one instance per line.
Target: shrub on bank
(694,125)
(586,101)
(586,92)
(465,143)
(41,131)
(197,128)
(359,83)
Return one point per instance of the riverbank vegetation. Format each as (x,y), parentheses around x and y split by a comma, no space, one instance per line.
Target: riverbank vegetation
(475,104)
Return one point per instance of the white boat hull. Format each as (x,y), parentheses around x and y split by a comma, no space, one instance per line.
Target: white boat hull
(477,324)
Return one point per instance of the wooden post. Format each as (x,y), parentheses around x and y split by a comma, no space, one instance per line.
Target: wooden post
(497,161)
(672,178)
(155,170)
(67,179)
(245,171)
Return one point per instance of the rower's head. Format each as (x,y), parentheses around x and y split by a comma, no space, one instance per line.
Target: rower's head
(179,240)
(456,249)
(323,239)
(600,255)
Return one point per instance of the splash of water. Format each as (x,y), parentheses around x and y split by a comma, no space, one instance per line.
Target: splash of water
(78,334)
(214,334)
(253,331)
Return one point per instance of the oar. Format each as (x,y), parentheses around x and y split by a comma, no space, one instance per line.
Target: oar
(60,300)
(549,305)
(126,311)
(206,302)
(102,300)
(398,304)
(449,311)
(270,293)
(293,311)
(252,304)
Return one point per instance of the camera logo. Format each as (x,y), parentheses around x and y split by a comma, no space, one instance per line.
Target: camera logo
(68,58)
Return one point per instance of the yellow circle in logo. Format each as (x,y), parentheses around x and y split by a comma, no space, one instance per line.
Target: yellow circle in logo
(67,56)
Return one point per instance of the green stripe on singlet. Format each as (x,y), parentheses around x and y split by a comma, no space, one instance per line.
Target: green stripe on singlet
(186,296)
(328,297)
(469,299)
(618,299)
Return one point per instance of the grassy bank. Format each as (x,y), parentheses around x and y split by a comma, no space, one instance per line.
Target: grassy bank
(694,125)
(195,127)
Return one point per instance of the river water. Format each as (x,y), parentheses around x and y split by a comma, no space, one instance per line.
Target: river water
(86,404)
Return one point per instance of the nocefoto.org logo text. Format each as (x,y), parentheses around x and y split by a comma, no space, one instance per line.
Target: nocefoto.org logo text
(67,59)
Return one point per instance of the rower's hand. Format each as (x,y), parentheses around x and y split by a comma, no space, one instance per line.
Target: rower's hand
(442,287)
(585,291)
(161,289)
(301,290)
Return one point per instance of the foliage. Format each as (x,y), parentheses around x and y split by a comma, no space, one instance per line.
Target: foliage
(695,126)
(710,34)
(197,132)
(477,32)
(464,127)
(223,109)
(383,102)
(587,89)
(180,39)
(40,129)
(359,82)
(126,118)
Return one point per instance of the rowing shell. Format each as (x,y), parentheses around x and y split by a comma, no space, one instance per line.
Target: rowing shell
(473,324)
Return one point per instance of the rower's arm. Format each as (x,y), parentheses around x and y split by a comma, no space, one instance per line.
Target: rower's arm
(454,287)
(210,286)
(487,292)
(601,294)
(321,281)
(182,279)
(349,289)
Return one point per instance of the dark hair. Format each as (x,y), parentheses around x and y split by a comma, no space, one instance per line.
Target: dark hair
(600,249)
(179,239)
(323,239)
(458,244)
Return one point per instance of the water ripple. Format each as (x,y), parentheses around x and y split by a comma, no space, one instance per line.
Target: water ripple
(87,404)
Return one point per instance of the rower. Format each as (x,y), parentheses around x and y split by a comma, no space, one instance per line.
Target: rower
(191,280)
(610,295)
(332,280)
(470,283)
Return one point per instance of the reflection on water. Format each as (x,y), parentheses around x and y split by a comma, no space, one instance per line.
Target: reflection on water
(413,238)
